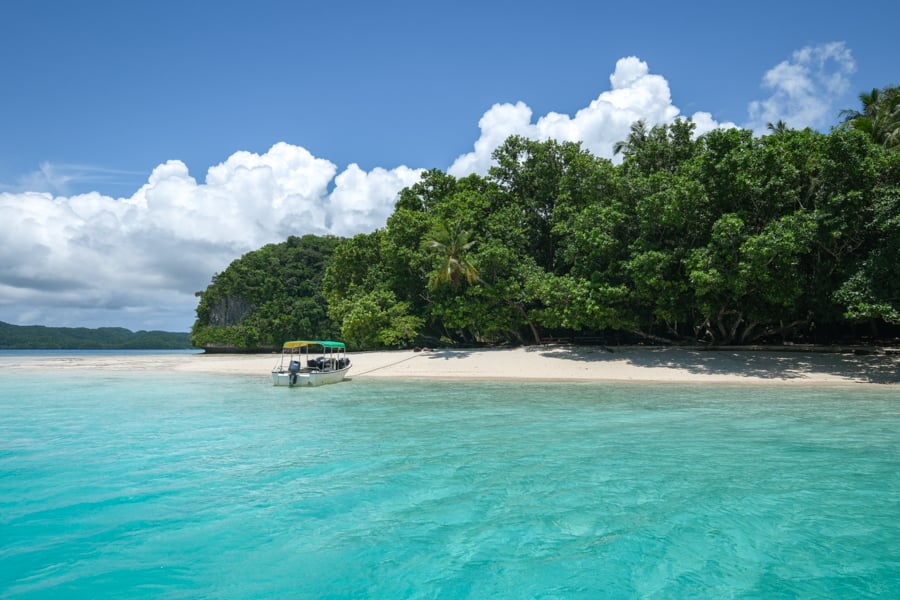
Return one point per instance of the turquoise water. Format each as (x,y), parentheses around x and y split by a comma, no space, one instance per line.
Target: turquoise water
(189,486)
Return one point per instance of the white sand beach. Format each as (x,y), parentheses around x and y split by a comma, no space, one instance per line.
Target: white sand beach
(546,362)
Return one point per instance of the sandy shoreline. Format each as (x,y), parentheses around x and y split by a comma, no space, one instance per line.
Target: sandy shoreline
(548,363)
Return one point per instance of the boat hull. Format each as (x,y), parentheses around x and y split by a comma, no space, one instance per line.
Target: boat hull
(308,378)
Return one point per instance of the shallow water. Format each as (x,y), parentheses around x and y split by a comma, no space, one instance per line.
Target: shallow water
(186,486)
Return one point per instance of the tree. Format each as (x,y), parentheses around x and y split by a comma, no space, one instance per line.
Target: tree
(727,237)
(268,296)
(637,137)
(377,318)
(451,245)
(779,127)
(661,148)
(542,186)
(879,118)
(357,286)
(872,291)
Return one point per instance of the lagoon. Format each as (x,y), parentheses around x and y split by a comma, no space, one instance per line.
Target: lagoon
(184,485)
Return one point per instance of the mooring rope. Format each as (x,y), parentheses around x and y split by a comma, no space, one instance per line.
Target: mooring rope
(388,365)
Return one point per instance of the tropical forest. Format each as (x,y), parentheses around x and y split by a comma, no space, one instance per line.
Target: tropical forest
(725,238)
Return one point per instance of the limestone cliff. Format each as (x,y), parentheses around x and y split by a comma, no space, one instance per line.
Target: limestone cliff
(229,311)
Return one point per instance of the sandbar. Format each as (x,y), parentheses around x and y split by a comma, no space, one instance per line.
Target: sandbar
(538,363)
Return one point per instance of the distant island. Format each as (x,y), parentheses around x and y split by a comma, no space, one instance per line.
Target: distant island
(38,337)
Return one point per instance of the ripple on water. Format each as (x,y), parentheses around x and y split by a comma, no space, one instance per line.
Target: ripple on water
(177,486)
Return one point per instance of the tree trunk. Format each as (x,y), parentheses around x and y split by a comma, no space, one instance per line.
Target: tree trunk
(534,331)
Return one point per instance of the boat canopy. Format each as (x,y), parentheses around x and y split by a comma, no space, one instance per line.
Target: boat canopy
(323,343)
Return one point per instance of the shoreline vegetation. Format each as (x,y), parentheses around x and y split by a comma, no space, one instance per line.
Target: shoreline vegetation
(792,366)
(728,241)
(725,238)
(40,337)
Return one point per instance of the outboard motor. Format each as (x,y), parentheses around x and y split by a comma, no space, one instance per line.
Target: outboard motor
(294,368)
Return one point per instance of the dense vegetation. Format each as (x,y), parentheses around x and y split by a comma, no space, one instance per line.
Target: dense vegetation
(725,238)
(33,337)
(268,296)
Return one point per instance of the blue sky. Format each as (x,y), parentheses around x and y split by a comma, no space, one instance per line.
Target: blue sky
(135,134)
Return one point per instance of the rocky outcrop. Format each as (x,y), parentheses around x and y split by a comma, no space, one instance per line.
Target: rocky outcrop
(231,310)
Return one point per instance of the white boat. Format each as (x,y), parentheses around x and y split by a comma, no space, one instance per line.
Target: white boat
(311,363)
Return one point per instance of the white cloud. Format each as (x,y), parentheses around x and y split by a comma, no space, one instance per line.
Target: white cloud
(804,88)
(635,94)
(363,201)
(136,261)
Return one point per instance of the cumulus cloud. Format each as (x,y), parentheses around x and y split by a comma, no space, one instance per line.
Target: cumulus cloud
(804,88)
(136,261)
(635,93)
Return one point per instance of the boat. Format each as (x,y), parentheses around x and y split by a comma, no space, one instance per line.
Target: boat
(311,363)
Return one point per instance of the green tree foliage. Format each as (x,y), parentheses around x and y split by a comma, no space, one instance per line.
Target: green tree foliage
(660,148)
(872,291)
(879,118)
(723,238)
(451,246)
(34,337)
(267,297)
(358,287)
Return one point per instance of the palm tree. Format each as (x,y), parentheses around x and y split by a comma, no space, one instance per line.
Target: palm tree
(636,138)
(778,127)
(879,118)
(452,245)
